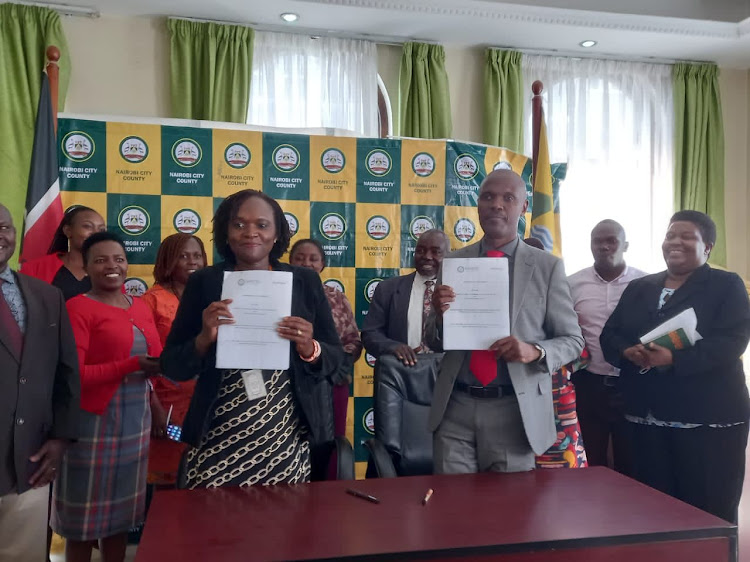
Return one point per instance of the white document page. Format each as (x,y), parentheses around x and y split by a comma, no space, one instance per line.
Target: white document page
(480,315)
(260,299)
(687,320)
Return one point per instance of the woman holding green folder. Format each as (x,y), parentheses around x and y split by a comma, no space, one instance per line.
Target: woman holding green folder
(689,407)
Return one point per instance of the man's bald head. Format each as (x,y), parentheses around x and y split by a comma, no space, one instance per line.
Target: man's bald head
(502,201)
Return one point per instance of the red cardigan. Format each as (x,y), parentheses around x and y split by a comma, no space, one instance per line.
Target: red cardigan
(104,338)
(44,268)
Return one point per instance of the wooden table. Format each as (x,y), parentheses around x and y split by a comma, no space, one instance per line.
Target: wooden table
(586,515)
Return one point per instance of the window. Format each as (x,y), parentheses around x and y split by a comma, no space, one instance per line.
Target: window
(300,81)
(612,122)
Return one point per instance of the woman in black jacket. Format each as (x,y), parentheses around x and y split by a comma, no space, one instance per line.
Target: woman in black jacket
(284,435)
(688,408)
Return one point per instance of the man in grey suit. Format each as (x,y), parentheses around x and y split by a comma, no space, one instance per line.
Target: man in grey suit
(395,321)
(39,401)
(492,410)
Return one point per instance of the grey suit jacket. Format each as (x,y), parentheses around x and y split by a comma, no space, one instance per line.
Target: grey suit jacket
(386,324)
(40,391)
(542,313)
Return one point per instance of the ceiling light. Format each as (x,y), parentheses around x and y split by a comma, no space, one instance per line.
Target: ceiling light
(289,17)
(587,43)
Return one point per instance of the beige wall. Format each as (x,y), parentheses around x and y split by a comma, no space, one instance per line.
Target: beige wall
(121,67)
(735,97)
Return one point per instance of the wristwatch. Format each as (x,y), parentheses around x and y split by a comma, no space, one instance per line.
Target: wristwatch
(542,353)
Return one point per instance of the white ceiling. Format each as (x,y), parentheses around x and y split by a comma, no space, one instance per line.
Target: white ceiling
(713,30)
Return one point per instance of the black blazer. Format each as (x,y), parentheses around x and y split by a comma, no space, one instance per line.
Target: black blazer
(310,383)
(42,387)
(706,383)
(386,324)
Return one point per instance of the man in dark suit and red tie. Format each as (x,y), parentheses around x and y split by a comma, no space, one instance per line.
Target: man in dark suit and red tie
(492,409)
(39,401)
(394,324)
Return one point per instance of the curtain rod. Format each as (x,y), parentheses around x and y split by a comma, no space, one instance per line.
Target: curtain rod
(315,33)
(65,9)
(597,56)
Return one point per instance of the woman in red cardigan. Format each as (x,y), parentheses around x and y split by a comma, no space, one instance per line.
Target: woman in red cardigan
(100,492)
(63,264)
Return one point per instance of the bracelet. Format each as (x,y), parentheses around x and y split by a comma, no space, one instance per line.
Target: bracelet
(315,353)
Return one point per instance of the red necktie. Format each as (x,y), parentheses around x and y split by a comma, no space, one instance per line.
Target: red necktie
(9,325)
(483,364)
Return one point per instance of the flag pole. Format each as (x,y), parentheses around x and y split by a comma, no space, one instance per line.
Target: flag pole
(53,73)
(536,121)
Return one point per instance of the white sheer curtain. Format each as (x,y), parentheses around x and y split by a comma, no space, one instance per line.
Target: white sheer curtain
(301,82)
(613,123)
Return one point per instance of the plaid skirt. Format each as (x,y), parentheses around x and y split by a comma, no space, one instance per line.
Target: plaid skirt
(101,488)
(251,442)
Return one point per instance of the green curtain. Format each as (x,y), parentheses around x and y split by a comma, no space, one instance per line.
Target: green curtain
(424,97)
(503,100)
(210,70)
(699,147)
(25,34)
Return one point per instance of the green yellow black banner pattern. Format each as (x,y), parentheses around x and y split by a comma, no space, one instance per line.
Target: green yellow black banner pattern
(366,200)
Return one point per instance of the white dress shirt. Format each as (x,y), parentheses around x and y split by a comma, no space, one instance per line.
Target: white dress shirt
(594,300)
(416,305)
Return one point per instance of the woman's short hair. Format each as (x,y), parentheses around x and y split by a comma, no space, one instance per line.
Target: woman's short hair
(315,243)
(705,224)
(169,254)
(228,210)
(59,240)
(96,238)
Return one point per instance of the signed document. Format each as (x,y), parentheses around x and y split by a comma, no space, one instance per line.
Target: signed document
(480,315)
(260,299)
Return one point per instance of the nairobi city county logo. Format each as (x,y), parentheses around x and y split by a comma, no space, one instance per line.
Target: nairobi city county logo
(285,158)
(368,421)
(378,227)
(419,225)
(332,226)
(502,165)
(335,284)
(378,163)
(370,360)
(78,146)
(464,230)
(237,155)
(372,284)
(466,167)
(333,160)
(134,149)
(187,221)
(292,222)
(135,286)
(187,153)
(134,220)
(423,164)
